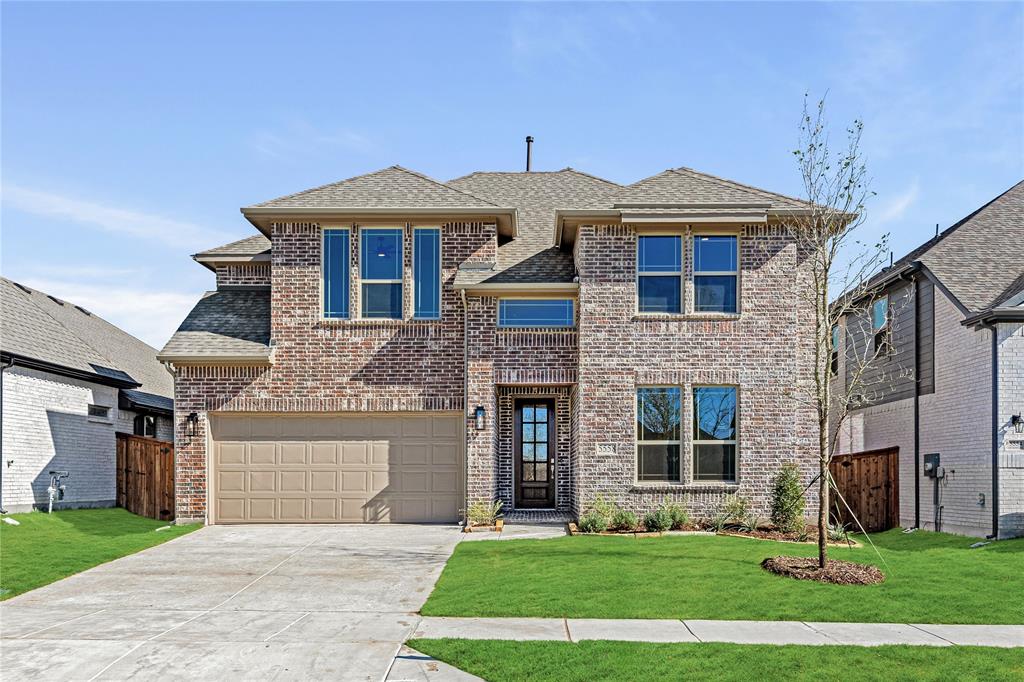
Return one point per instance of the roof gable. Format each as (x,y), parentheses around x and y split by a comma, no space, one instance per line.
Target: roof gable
(684,186)
(393,187)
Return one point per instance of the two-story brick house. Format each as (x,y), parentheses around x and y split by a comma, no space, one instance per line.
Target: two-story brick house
(950,380)
(393,348)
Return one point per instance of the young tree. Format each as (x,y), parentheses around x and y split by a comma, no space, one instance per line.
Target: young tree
(836,187)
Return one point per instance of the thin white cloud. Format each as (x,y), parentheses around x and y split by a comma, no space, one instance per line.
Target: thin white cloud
(148,315)
(299,138)
(896,207)
(108,218)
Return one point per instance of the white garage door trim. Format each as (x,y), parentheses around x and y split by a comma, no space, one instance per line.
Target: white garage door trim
(335,468)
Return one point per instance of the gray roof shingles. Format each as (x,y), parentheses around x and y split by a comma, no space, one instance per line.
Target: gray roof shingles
(250,246)
(231,323)
(57,332)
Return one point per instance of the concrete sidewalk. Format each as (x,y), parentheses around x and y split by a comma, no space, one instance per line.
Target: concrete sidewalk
(733,631)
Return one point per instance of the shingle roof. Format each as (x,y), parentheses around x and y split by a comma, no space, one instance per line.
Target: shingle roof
(979,259)
(532,256)
(232,323)
(250,246)
(687,186)
(393,187)
(57,332)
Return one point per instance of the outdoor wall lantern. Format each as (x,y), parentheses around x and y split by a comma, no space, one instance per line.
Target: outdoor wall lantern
(1018,423)
(192,422)
(479,416)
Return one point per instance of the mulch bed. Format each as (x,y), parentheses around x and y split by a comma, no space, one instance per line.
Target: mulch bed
(837,572)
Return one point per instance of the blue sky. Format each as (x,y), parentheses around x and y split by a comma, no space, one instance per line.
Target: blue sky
(133,132)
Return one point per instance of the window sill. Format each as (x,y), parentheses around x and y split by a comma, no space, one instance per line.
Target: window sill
(101,420)
(374,321)
(686,317)
(680,486)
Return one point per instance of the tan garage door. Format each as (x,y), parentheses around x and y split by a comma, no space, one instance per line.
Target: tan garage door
(337,468)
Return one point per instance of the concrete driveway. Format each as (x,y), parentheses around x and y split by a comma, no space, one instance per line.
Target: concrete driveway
(229,602)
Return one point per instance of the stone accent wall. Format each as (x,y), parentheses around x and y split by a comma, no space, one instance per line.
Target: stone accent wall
(249,274)
(46,426)
(1011,455)
(764,351)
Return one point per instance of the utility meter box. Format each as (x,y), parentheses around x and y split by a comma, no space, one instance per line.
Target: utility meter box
(931,465)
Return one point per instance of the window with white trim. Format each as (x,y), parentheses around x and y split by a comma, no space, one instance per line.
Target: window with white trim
(99,412)
(658,433)
(145,425)
(426,266)
(335,272)
(659,273)
(714,433)
(380,258)
(715,273)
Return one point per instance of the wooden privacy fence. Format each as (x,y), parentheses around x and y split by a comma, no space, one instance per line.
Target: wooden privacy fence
(869,482)
(145,476)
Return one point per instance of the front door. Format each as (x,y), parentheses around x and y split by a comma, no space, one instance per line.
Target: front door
(535,453)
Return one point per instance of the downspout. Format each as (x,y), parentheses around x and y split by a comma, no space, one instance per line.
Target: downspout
(917,404)
(465,406)
(995,430)
(3,368)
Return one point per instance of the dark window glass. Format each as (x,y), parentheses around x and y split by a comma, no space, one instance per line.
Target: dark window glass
(427,273)
(714,462)
(382,254)
(657,410)
(715,293)
(536,312)
(714,254)
(335,273)
(714,433)
(382,301)
(656,462)
(659,294)
(145,425)
(659,254)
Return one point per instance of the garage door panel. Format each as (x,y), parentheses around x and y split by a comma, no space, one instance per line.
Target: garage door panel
(336,468)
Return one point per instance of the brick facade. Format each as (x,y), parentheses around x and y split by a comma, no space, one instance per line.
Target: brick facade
(464,360)
(249,274)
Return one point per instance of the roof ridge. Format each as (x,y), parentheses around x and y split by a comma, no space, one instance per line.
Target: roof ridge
(734,183)
(591,176)
(325,185)
(443,184)
(68,329)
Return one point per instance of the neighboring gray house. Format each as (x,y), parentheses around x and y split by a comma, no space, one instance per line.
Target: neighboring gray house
(70,381)
(952,312)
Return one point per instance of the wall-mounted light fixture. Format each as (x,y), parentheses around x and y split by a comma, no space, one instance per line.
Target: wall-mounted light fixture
(192,424)
(1018,423)
(479,415)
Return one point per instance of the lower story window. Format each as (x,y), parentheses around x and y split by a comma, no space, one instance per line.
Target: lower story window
(145,425)
(657,433)
(714,433)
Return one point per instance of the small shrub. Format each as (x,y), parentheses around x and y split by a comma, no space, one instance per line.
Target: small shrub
(623,519)
(677,512)
(482,513)
(592,522)
(657,521)
(606,510)
(788,499)
(735,508)
(838,532)
(750,522)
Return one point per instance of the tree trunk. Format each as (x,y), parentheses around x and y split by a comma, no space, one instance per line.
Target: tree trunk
(823,496)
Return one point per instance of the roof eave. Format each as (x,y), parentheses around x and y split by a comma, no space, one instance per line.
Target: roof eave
(262,217)
(490,288)
(62,370)
(994,315)
(216,360)
(212,261)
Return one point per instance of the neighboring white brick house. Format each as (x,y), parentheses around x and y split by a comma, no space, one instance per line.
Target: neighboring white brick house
(964,293)
(71,381)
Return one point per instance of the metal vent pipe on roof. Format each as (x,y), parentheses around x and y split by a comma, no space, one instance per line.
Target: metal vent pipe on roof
(529,151)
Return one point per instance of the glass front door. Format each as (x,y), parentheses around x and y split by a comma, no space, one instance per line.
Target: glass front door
(535,453)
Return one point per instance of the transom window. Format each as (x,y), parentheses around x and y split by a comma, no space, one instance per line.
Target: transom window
(381,273)
(659,269)
(715,273)
(427,273)
(714,433)
(536,312)
(880,325)
(657,433)
(336,273)
(99,411)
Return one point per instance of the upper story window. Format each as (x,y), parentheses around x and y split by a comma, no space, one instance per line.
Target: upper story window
(834,360)
(715,273)
(99,412)
(714,433)
(145,425)
(335,270)
(657,433)
(427,273)
(880,325)
(381,273)
(659,269)
(536,312)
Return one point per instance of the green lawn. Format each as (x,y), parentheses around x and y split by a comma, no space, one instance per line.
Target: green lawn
(504,661)
(930,578)
(48,547)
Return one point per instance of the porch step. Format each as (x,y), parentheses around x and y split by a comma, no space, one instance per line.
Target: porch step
(536,516)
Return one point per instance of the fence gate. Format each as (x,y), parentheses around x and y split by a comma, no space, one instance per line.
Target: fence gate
(145,476)
(869,482)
